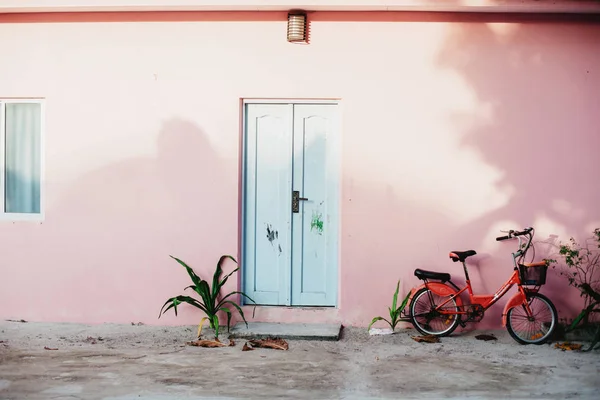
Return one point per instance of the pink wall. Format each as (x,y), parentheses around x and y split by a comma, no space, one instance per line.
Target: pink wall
(454,126)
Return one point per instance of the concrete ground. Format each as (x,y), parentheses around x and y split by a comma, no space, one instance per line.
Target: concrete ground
(126,362)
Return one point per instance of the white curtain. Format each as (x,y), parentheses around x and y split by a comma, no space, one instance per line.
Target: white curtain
(23,161)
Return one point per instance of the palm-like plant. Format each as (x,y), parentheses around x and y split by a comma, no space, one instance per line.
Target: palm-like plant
(395,311)
(209,302)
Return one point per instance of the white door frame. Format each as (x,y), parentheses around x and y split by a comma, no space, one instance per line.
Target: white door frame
(335,174)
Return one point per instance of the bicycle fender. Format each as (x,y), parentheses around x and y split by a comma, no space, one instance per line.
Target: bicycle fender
(441,289)
(513,302)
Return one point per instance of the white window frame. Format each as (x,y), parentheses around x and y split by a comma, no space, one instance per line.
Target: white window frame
(4,216)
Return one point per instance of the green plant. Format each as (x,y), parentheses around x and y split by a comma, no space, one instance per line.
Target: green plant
(209,301)
(583,273)
(395,312)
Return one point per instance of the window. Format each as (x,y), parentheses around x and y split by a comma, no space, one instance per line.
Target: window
(21,159)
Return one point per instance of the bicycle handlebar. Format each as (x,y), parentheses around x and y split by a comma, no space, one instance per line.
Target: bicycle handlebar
(512,234)
(523,232)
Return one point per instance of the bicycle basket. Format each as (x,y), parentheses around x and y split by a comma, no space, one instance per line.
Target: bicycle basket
(534,275)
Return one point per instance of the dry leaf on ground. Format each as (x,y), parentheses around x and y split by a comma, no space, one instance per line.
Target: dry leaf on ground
(246,347)
(206,343)
(568,346)
(486,337)
(270,343)
(426,339)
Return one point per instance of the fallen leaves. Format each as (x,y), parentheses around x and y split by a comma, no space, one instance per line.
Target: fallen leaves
(426,339)
(270,343)
(486,337)
(568,346)
(209,343)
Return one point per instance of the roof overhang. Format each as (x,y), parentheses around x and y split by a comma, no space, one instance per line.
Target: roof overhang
(489,6)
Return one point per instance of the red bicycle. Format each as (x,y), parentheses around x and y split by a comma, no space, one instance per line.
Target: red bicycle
(530,317)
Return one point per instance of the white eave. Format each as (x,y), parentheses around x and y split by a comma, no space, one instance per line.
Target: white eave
(496,6)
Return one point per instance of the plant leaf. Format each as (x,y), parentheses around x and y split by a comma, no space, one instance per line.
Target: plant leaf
(200,326)
(239,310)
(217,276)
(404,303)
(231,294)
(394,319)
(190,271)
(222,283)
(225,309)
(175,301)
(205,293)
(378,319)
(215,323)
(228,312)
(193,287)
(395,299)
(578,319)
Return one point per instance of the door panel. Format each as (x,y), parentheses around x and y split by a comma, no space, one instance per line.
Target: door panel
(267,229)
(290,258)
(314,262)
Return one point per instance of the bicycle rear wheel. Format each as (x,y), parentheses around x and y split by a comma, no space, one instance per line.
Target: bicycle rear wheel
(536,329)
(429,321)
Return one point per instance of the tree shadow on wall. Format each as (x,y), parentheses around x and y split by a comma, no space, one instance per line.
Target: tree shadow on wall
(541,82)
(385,238)
(120,223)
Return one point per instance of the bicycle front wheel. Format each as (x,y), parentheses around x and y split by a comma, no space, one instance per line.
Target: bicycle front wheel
(428,319)
(534,329)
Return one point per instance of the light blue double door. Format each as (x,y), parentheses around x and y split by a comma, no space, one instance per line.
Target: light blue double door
(290,224)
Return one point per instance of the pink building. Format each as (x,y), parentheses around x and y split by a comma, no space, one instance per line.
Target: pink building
(402,130)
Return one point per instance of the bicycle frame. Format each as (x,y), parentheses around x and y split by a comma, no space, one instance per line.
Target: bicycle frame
(485,301)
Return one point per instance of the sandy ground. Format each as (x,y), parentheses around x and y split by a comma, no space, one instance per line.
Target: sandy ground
(126,362)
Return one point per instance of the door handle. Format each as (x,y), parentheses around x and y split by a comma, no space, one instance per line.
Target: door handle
(296,201)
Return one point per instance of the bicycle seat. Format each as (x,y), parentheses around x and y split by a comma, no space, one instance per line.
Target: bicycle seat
(422,274)
(461,255)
